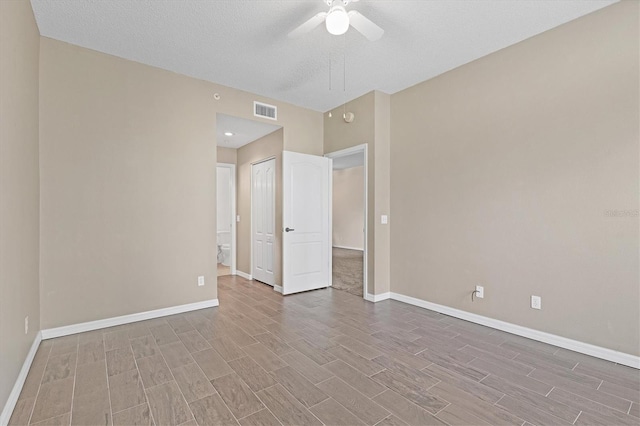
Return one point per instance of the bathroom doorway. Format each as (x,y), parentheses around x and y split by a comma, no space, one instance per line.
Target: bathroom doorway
(226,218)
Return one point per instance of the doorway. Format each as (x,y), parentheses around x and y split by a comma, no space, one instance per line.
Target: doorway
(240,144)
(349,220)
(226,213)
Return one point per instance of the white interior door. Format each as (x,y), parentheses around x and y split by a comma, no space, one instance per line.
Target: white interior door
(263,223)
(306,216)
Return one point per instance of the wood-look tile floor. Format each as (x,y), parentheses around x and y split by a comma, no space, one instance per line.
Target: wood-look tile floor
(321,357)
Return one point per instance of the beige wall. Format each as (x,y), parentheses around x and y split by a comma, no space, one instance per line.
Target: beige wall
(227,155)
(19,193)
(382,183)
(502,171)
(348,208)
(370,126)
(128,159)
(269,146)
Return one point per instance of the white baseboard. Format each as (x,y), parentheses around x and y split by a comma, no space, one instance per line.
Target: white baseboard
(7,411)
(349,248)
(541,336)
(125,319)
(377,297)
(244,275)
(278,288)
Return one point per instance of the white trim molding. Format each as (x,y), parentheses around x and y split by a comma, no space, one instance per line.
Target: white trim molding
(7,411)
(125,319)
(377,297)
(277,288)
(541,336)
(243,275)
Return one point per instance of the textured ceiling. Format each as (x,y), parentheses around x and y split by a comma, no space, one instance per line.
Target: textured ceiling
(244,131)
(244,44)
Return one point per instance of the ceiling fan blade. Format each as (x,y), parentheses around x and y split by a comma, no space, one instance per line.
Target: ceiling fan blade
(309,25)
(367,28)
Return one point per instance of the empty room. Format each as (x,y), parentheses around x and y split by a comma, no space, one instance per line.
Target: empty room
(308,212)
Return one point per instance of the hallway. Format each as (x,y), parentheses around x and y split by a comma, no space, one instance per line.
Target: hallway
(348,270)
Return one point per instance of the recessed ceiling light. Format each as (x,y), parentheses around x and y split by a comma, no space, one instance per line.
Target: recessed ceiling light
(229,133)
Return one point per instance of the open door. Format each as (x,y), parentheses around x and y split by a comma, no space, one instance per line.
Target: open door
(306,217)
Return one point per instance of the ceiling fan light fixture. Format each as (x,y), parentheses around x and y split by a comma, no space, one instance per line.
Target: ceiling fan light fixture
(337,21)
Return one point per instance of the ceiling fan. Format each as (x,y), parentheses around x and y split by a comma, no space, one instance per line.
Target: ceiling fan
(338,20)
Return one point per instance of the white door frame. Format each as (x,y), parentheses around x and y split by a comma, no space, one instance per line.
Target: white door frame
(363,148)
(273,157)
(232,168)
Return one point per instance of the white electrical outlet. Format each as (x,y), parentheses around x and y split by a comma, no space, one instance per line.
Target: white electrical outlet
(479,292)
(536,302)
(200,281)
(384,219)
(238,218)
(26,324)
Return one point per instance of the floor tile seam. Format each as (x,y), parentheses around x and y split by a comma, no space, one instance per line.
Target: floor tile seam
(251,414)
(548,413)
(106,372)
(379,393)
(268,409)
(309,408)
(180,332)
(205,376)
(35,400)
(569,406)
(383,420)
(579,414)
(370,399)
(128,408)
(144,388)
(548,393)
(75,376)
(414,404)
(168,343)
(52,417)
(600,403)
(440,410)
(576,419)
(225,402)
(497,390)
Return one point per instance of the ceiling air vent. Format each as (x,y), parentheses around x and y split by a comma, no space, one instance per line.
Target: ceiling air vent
(265,111)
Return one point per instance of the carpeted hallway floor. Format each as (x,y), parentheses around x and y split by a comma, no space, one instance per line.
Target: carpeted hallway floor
(348,270)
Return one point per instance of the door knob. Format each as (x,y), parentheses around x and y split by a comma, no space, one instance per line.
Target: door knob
(287,229)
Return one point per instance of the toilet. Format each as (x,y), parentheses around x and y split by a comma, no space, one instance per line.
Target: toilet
(224,248)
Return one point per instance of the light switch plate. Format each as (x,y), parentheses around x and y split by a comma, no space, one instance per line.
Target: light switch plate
(384,219)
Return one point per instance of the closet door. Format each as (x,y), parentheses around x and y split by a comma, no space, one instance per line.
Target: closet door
(263,198)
